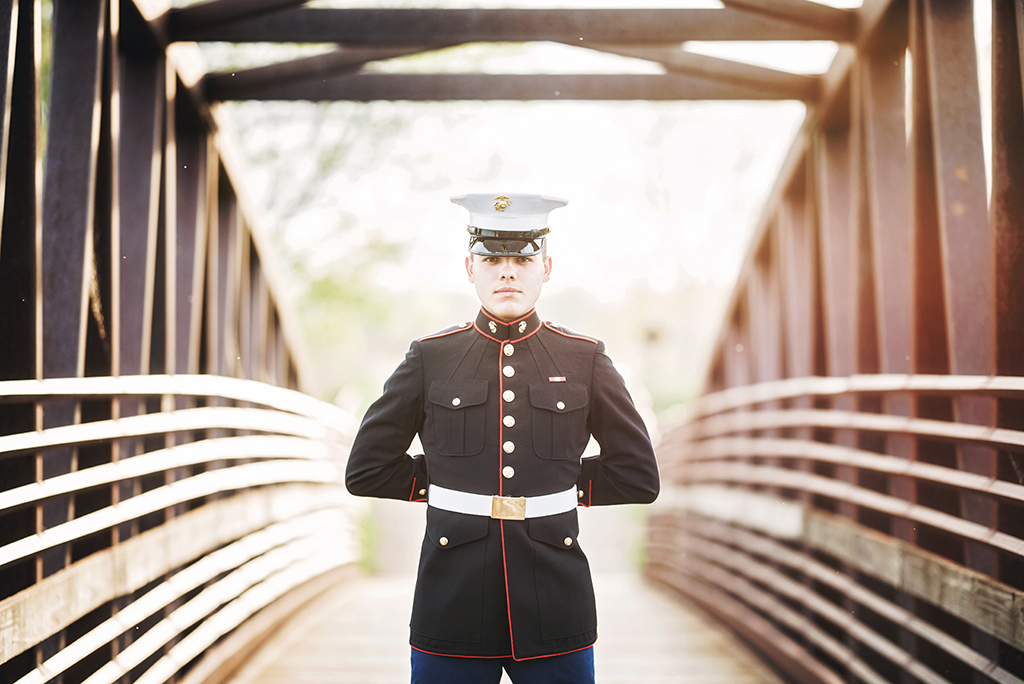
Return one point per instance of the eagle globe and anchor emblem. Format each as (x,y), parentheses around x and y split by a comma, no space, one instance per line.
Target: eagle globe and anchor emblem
(502,202)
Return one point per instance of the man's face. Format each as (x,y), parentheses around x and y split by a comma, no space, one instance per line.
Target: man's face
(508,287)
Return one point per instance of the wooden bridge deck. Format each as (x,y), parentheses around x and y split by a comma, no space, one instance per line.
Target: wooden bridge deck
(357,634)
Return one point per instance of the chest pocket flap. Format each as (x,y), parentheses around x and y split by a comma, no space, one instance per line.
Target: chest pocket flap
(458,416)
(458,394)
(560,397)
(559,421)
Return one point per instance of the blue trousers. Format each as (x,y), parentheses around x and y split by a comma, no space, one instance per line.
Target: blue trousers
(571,668)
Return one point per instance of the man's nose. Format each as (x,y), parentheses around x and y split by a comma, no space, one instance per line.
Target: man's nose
(508,271)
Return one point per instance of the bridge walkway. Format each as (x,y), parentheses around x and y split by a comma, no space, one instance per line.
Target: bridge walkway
(357,633)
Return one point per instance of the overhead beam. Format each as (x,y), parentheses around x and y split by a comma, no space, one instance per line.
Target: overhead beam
(365,87)
(446,26)
(234,85)
(679,61)
(215,12)
(802,12)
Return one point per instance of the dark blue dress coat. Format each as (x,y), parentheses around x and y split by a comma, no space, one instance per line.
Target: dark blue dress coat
(504,409)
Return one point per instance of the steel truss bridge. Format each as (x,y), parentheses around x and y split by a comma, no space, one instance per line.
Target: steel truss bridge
(847,494)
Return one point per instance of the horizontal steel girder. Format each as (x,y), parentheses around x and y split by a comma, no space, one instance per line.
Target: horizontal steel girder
(445,26)
(442,87)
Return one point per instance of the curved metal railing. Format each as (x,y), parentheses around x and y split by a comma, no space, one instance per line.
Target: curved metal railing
(844,559)
(223,510)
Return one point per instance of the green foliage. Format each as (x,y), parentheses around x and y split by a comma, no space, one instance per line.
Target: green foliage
(369,562)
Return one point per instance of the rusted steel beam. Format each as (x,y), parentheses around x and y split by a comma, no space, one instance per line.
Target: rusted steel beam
(874,16)
(961,217)
(439,87)
(20,227)
(1007,198)
(842,21)
(228,85)
(69,192)
(214,12)
(887,192)
(445,26)
(798,264)
(679,61)
(837,164)
(191,243)
(141,159)
(20,218)
(8,50)
(764,294)
(69,196)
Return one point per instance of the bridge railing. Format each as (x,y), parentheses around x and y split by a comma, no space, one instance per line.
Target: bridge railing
(222,499)
(849,491)
(164,501)
(760,529)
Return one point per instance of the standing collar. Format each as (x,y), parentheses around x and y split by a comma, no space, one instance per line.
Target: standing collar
(512,331)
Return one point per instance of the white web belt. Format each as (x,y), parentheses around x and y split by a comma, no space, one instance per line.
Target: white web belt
(502,507)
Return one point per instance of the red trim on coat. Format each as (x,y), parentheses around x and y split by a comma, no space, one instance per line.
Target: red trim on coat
(550,326)
(453,655)
(501,425)
(518,339)
(450,655)
(508,604)
(590,487)
(498,320)
(552,655)
(450,332)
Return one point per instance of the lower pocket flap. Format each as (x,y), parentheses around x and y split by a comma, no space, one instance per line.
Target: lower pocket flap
(448,530)
(556,529)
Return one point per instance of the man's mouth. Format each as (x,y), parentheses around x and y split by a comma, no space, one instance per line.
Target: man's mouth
(507,290)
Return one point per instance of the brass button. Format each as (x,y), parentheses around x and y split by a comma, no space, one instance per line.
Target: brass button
(509,421)
(509,447)
(509,472)
(423,492)
(560,405)
(463,325)
(508,371)
(509,350)
(579,494)
(443,541)
(456,401)
(567,541)
(508,395)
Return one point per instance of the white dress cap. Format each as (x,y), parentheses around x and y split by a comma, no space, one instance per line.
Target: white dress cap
(508,211)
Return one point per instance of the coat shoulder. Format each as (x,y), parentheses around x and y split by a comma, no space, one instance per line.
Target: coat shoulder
(449,331)
(570,334)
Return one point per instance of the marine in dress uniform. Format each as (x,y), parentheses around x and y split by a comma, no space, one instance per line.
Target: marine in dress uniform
(504,407)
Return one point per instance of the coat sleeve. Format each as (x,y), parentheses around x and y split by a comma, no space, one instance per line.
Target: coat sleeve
(378,464)
(626,470)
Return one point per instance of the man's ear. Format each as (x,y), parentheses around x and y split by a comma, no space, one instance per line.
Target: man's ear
(469,268)
(547,269)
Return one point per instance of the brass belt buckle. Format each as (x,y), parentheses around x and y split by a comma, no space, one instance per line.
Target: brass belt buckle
(508,507)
